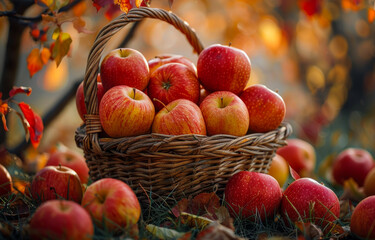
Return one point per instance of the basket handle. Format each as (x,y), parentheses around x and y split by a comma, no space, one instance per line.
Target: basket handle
(92,69)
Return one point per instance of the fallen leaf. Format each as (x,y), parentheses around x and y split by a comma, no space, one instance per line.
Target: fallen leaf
(216,231)
(165,233)
(309,230)
(352,191)
(194,220)
(205,203)
(224,217)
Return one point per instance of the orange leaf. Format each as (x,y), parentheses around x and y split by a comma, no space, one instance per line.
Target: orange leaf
(35,123)
(79,9)
(126,5)
(79,24)
(37,59)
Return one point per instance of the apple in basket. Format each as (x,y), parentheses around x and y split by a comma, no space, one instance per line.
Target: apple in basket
(124,66)
(125,111)
(112,204)
(163,59)
(225,113)
(266,108)
(61,219)
(173,81)
(179,117)
(55,182)
(223,68)
(306,200)
(71,159)
(252,195)
(80,98)
(353,163)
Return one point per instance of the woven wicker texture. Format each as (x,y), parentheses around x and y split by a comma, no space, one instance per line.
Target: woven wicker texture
(164,165)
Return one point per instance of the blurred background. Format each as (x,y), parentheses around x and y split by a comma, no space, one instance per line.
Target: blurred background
(318,54)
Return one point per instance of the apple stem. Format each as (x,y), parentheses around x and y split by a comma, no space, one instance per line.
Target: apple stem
(100,198)
(222,102)
(134,93)
(157,100)
(229,44)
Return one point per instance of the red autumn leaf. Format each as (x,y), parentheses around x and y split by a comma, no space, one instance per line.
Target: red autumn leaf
(294,174)
(17,90)
(37,59)
(205,203)
(35,126)
(181,206)
(311,7)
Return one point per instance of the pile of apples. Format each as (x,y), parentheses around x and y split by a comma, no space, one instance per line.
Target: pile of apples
(170,95)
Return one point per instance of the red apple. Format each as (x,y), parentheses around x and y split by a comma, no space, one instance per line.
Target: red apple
(56,182)
(353,163)
(112,204)
(124,66)
(223,68)
(70,159)
(163,59)
(300,155)
(362,223)
(252,195)
(369,185)
(80,98)
(173,81)
(306,200)
(225,113)
(6,184)
(179,117)
(125,112)
(202,95)
(266,108)
(61,219)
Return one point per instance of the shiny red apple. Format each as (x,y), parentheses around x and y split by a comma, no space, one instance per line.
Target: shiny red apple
(173,81)
(179,117)
(223,68)
(112,204)
(353,163)
(56,182)
(124,66)
(225,113)
(300,155)
(125,112)
(252,195)
(306,200)
(61,219)
(362,222)
(266,108)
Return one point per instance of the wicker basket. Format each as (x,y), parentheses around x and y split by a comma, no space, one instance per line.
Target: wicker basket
(167,166)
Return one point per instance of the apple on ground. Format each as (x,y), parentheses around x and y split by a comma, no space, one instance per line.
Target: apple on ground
(353,163)
(163,59)
(80,98)
(173,81)
(179,117)
(362,222)
(369,185)
(306,200)
(112,204)
(6,183)
(125,111)
(124,66)
(279,169)
(61,219)
(250,195)
(56,182)
(71,159)
(225,113)
(300,156)
(266,108)
(223,68)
